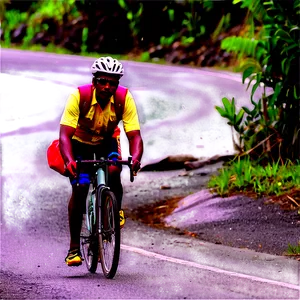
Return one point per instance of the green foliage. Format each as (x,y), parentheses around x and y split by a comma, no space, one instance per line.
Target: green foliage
(208,4)
(55,9)
(39,10)
(133,13)
(271,60)
(31,31)
(193,21)
(171,14)
(184,21)
(242,175)
(256,7)
(51,48)
(223,25)
(229,112)
(234,118)
(293,249)
(145,56)
(168,41)
(245,47)
(185,41)
(193,24)
(220,183)
(85,33)
(13,18)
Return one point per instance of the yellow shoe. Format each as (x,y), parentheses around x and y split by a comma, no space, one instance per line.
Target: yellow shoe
(74,258)
(122,218)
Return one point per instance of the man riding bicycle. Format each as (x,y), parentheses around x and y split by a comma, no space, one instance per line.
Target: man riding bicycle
(96,132)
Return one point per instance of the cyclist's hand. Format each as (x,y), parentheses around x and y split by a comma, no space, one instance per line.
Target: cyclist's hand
(136,165)
(72,168)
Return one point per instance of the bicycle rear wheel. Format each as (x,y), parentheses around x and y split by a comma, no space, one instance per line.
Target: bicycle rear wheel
(109,239)
(90,234)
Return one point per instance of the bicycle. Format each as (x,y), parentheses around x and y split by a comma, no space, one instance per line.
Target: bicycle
(100,236)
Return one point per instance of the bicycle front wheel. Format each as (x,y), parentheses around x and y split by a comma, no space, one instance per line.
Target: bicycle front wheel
(89,234)
(109,239)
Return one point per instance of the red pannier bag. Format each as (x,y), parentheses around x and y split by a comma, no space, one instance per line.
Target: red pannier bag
(55,160)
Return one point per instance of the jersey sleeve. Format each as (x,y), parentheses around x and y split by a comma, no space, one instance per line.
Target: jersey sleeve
(130,117)
(70,115)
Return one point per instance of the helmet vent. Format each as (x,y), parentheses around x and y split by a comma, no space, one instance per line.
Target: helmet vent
(103,65)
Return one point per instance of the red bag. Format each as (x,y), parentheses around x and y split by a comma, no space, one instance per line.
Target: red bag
(55,160)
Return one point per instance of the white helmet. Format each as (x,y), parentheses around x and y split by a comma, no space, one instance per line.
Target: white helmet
(107,65)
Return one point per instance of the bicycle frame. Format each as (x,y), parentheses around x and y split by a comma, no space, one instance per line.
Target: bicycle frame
(101,178)
(103,236)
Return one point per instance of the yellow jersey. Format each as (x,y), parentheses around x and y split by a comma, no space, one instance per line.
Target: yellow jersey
(98,123)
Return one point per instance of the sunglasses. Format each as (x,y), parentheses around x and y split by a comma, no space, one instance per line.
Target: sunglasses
(103,81)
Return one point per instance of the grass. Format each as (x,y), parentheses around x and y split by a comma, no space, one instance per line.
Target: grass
(242,176)
(293,250)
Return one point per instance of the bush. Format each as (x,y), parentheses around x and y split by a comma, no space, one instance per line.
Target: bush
(270,130)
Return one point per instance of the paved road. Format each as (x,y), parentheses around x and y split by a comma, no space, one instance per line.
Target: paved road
(154,264)
(176,105)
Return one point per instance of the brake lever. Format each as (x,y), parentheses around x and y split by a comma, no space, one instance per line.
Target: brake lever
(130,168)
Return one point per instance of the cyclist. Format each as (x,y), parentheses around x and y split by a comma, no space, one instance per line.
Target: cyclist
(82,136)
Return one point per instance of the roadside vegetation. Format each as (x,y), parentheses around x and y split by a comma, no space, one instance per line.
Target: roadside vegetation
(182,32)
(293,250)
(279,183)
(266,134)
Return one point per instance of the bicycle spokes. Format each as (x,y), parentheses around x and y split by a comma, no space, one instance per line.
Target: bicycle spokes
(110,235)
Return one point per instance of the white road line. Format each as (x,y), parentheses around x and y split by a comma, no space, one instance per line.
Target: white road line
(207,268)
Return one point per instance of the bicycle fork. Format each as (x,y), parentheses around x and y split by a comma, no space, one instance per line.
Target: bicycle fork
(101,186)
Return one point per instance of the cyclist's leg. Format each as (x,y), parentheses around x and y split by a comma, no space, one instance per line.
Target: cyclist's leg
(114,182)
(76,208)
(75,213)
(114,172)
(80,186)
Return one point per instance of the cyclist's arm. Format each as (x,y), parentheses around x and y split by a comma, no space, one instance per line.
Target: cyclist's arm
(65,143)
(136,147)
(68,126)
(132,128)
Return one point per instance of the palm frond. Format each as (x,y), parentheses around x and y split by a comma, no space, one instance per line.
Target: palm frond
(244,47)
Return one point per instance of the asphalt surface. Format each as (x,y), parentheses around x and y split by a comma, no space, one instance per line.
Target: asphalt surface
(178,266)
(175,104)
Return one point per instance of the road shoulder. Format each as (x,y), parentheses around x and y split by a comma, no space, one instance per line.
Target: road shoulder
(180,200)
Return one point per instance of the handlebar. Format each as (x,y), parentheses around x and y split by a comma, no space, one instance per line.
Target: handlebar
(109,162)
